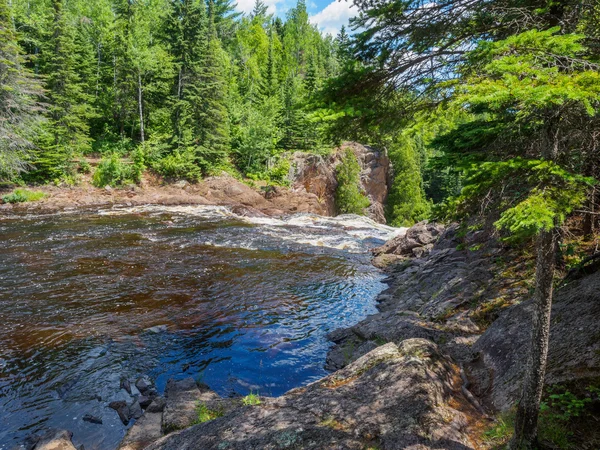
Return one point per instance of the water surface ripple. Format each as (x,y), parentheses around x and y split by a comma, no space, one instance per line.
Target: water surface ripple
(245,305)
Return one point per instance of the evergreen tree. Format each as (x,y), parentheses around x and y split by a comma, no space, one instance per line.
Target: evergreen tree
(68,108)
(19,111)
(213,115)
(530,112)
(259,11)
(187,30)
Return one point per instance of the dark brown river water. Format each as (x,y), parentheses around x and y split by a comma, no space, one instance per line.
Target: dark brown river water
(244,305)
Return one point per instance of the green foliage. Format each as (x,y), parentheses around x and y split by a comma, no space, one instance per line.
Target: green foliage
(564,405)
(278,174)
(406,202)
(19,118)
(530,195)
(23,195)
(112,171)
(178,166)
(348,196)
(251,399)
(193,82)
(204,414)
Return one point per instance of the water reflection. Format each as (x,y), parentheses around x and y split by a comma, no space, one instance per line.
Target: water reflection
(243,306)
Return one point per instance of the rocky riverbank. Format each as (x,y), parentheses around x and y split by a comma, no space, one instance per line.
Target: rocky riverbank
(312,186)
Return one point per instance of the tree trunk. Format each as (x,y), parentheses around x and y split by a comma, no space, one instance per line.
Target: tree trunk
(529,406)
(141,107)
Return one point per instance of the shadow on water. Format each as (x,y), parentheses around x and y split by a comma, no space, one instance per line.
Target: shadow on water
(244,306)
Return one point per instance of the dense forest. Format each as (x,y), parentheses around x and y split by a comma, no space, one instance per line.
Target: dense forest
(185,88)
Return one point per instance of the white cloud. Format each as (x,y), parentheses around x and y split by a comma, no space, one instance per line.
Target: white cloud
(336,14)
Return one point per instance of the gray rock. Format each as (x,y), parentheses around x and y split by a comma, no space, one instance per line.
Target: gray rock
(92,419)
(143,432)
(144,384)
(394,397)
(417,241)
(135,410)
(120,406)
(574,352)
(144,401)
(157,405)
(182,399)
(125,384)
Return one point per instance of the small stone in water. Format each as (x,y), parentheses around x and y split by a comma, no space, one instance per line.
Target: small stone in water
(157,329)
(122,410)
(92,419)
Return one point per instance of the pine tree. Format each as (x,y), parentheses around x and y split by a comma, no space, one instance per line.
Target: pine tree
(269,84)
(531,115)
(259,10)
(19,110)
(69,107)
(213,117)
(187,30)
(225,19)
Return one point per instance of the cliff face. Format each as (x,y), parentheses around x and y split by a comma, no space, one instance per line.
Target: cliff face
(316,175)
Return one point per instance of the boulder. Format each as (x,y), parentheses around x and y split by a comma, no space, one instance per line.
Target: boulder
(144,384)
(144,431)
(157,405)
(182,399)
(418,241)
(120,406)
(53,440)
(394,397)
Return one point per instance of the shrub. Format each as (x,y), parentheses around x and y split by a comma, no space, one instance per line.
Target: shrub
(349,198)
(84,167)
(178,166)
(113,172)
(204,414)
(23,195)
(251,399)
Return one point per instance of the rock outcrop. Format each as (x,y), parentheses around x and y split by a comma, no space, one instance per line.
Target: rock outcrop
(574,352)
(394,397)
(312,189)
(417,242)
(314,174)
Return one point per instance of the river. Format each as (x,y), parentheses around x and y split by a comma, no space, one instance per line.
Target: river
(88,298)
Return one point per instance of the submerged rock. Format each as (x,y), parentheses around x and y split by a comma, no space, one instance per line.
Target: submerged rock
(92,419)
(391,398)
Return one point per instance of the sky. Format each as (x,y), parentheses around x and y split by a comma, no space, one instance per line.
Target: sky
(328,15)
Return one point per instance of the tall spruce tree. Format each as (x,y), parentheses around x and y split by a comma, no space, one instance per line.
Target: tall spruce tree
(68,110)
(187,29)
(213,117)
(19,110)
(531,113)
